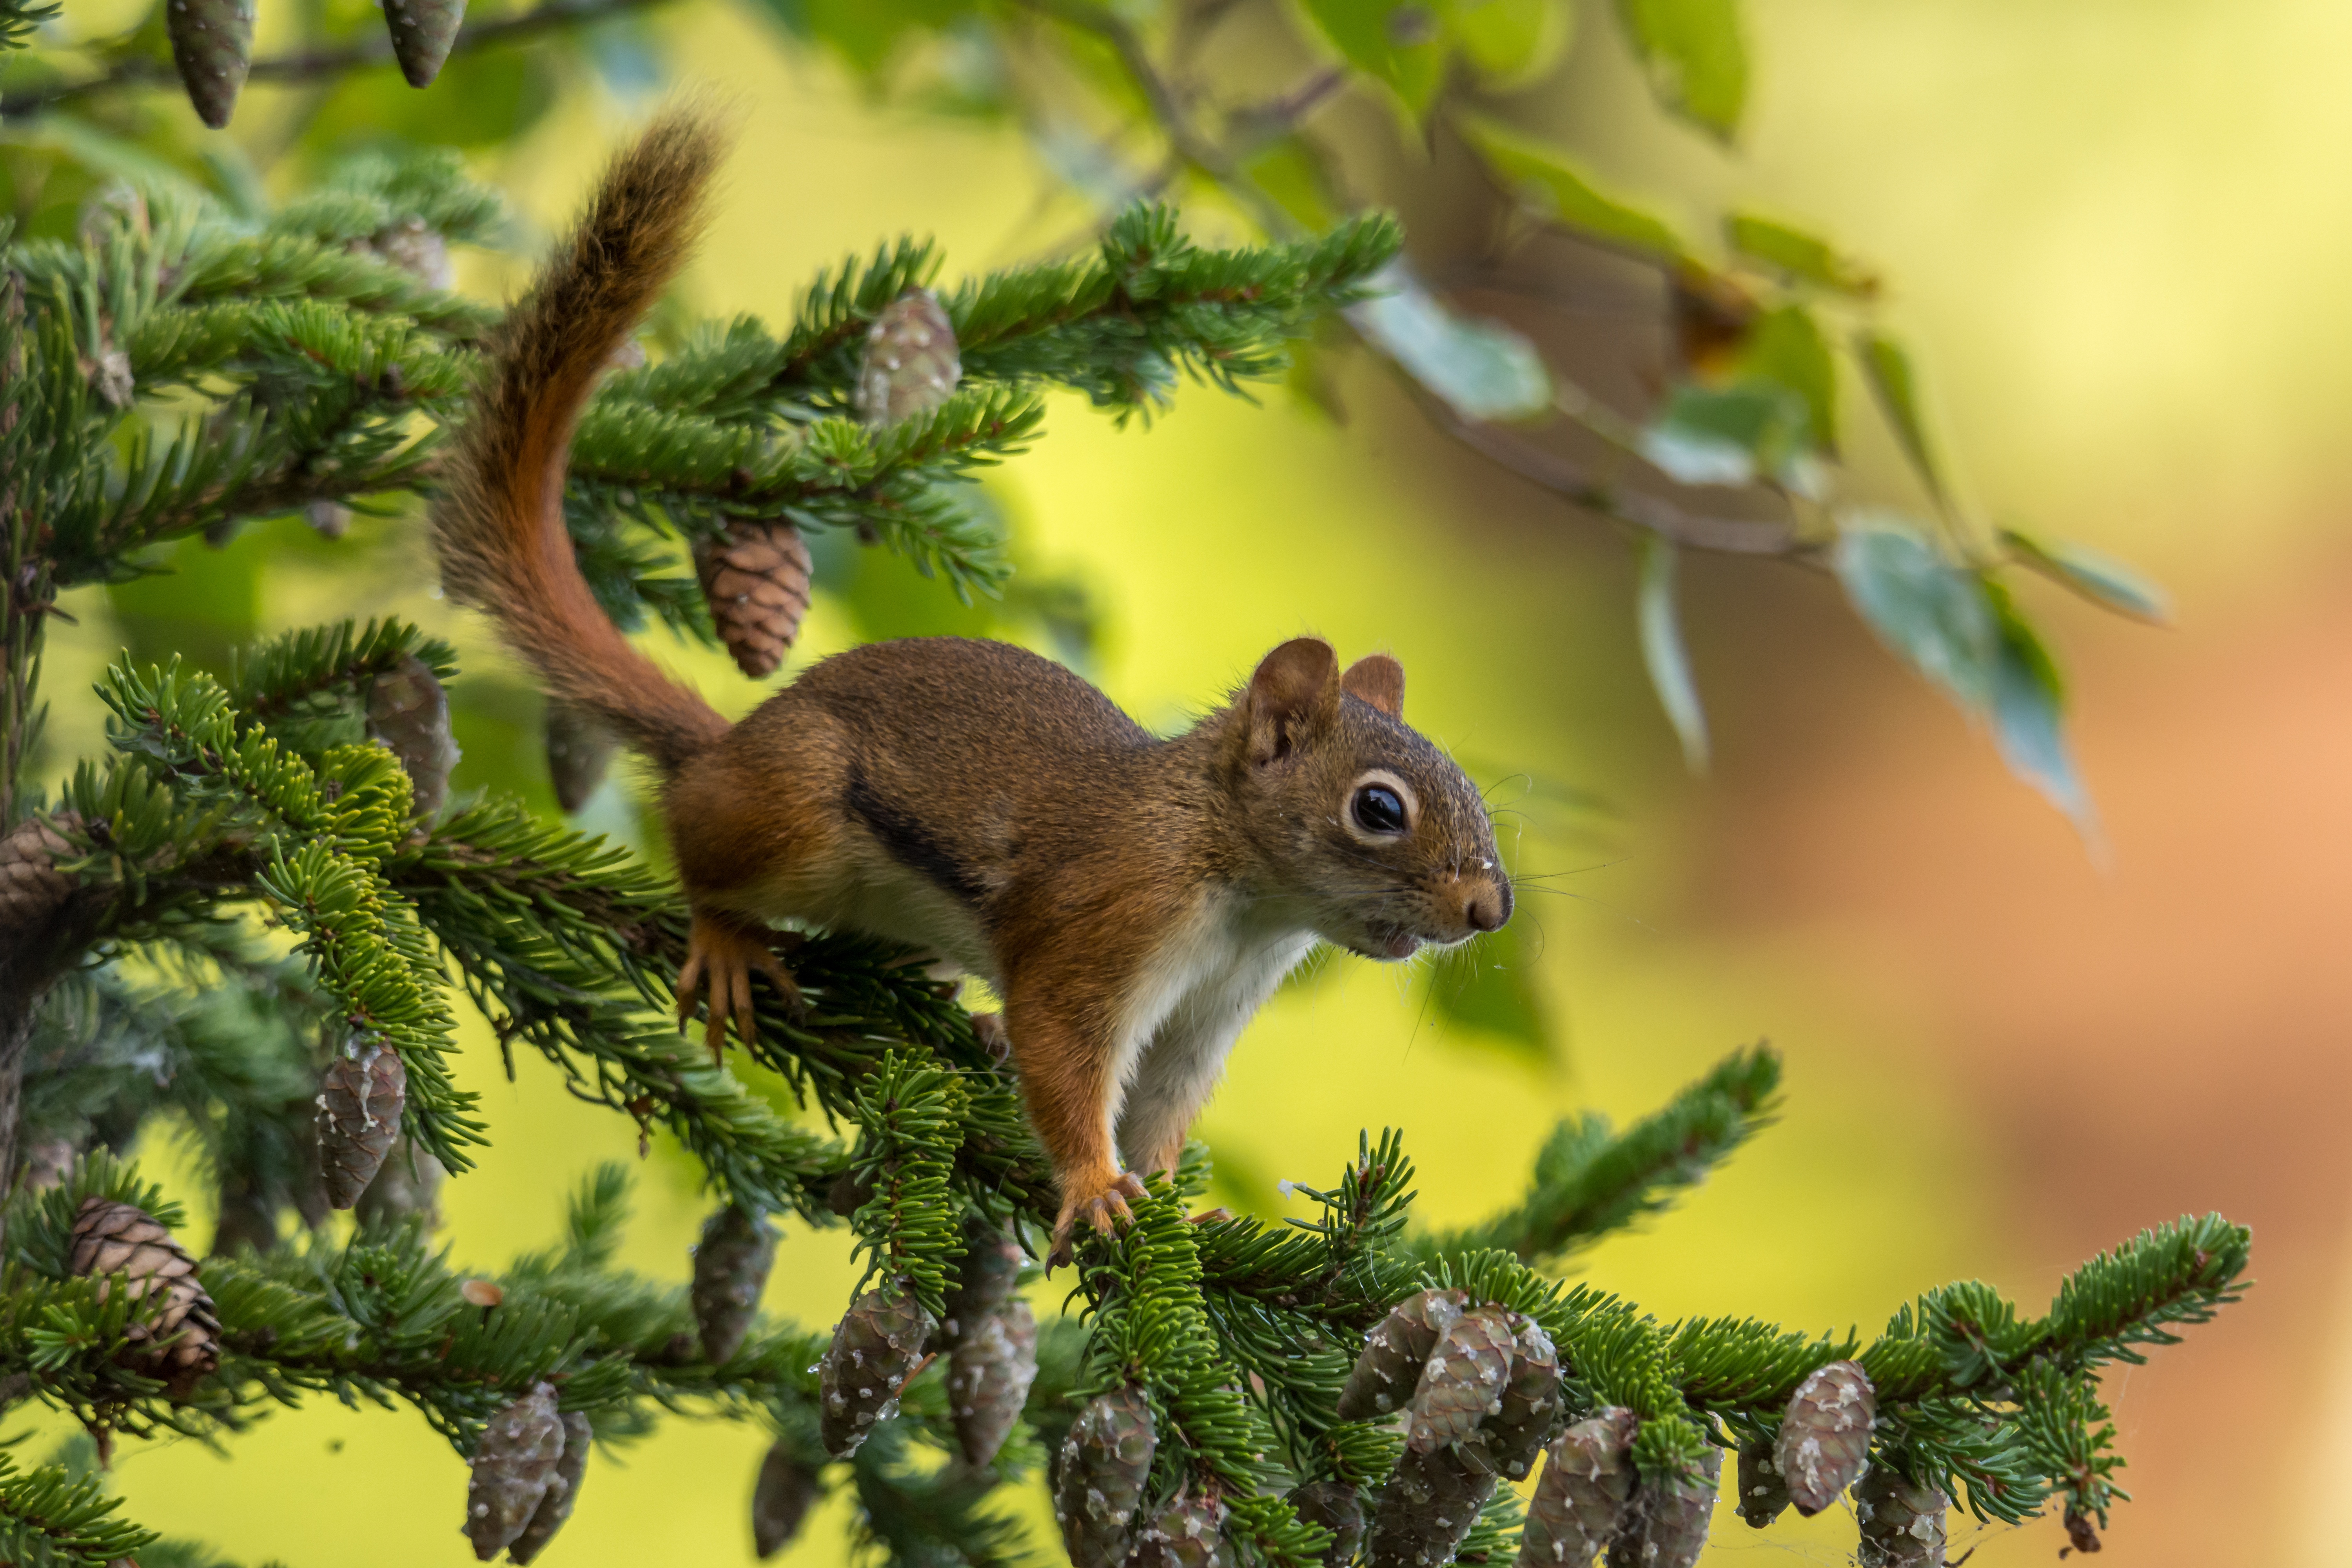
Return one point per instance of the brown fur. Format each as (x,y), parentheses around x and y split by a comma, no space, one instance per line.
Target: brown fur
(1132,898)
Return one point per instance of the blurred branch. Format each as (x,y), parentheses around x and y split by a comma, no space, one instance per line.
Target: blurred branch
(318,64)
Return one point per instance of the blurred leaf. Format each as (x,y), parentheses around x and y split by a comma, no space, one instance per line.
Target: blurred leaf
(2105,583)
(1489,986)
(865,33)
(1785,347)
(1889,370)
(1482,368)
(1697,64)
(1733,436)
(2028,700)
(1511,41)
(1662,653)
(1933,613)
(1404,43)
(1292,178)
(1800,256)
(1562,194)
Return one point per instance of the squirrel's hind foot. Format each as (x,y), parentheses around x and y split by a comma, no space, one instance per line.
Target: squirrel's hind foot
(1102,1207)
(723,954)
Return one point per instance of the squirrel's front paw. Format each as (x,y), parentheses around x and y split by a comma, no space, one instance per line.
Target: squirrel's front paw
(724,954)
(1101,1205)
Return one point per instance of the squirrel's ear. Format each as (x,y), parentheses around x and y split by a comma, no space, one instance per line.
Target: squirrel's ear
(1296,687)
(1379,680)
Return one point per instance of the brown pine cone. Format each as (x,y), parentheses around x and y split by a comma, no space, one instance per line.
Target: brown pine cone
(579,753)
(360,1102)
(212,44)
(1400,1344)
(875,1349)
(32,890)
(408,711)
(1530,1403)
(911,363)
(1669,1526)
(422,32)
(985,1276)
(1585,1496)
(562,1491)
(730,1270)
(178,1343)
(1188,1534)
(1462,1383)
(1339,1508)
(756,580)
(988,1374)
(1902,1524)
(1763,1491)
(1427,1509)
(786,1490)
(513,1466)
(1825,1435)
(1106,1459)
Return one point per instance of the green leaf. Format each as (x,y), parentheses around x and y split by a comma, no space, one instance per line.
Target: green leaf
(2106,583)
(1733,436)
(1483,369)
(1491,988)
(1554,187)
(1696,62)
(1401,43)
(2028,700)
(1889,370)
(1662,653)
(1511,41)
(1804,256)
(1785,347)
(1932,613)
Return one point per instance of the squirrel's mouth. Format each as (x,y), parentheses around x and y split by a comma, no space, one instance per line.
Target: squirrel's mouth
(1389,943)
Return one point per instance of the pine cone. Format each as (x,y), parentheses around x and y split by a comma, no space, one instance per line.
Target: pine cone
(1669,1526)
(562,1491)
(212,44)
(1339,1508)
(988,1374)
(875,1349)
(985,1277)
(1530,1403)
(579,752)
(409,1185)
(1763,1491)
(1427,1510)
(1106,1459)
(786,1490)
(730,1270)
(360,1101)
(912,365)
(180,1341)
(1462,1383)
(1902,1524)
(422,32)
(2080,1532)
(755,578)
(32,890)
(1389,1368)
(1825,1435)
(1188,1534)
(513,1466)
(408,711)
(1585,1495)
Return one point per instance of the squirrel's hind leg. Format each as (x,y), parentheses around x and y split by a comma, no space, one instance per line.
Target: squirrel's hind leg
(722,953)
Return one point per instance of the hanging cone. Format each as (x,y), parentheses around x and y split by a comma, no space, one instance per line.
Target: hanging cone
(988,1374)
(579,752)
(1187,1533)
(1389,1370)
(1585,1495)
(422,32)
(1669,1528)
(360,1102)
(912,365)
(513,1467)
(2081,1533)
(1426,1510)
(32,890)
(1763,1492)
(1338,1508)
(181,1342)
(786,1490)
(562,1491)
(1530,1405)
(1902,1524)
(730,1270)
(755,578)
(1825,1435)
(1105,1461)
(408,711)
(985,1276)
(212,44)
(1462,1383)
(875,1349)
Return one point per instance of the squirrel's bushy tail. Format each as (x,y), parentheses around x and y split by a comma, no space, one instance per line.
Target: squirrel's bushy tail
(500,522)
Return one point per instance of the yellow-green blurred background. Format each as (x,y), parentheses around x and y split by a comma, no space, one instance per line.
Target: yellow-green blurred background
(2118,233)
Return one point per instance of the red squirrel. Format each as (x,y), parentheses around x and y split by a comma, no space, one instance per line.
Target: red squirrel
(1132,899)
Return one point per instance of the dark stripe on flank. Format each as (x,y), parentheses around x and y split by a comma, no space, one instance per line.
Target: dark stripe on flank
(909,845)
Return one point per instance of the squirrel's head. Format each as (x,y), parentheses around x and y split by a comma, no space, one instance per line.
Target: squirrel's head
(1382,842)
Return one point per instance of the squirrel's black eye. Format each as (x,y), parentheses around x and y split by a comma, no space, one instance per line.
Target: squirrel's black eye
(1379,809)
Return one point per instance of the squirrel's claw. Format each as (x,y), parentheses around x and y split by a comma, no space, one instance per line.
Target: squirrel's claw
(1104,1211)
(724,956)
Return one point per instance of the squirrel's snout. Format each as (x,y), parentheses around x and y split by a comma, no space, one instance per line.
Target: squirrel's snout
(1485,905)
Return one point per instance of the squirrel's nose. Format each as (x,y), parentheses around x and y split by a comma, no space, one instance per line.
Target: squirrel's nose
(1489,906)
